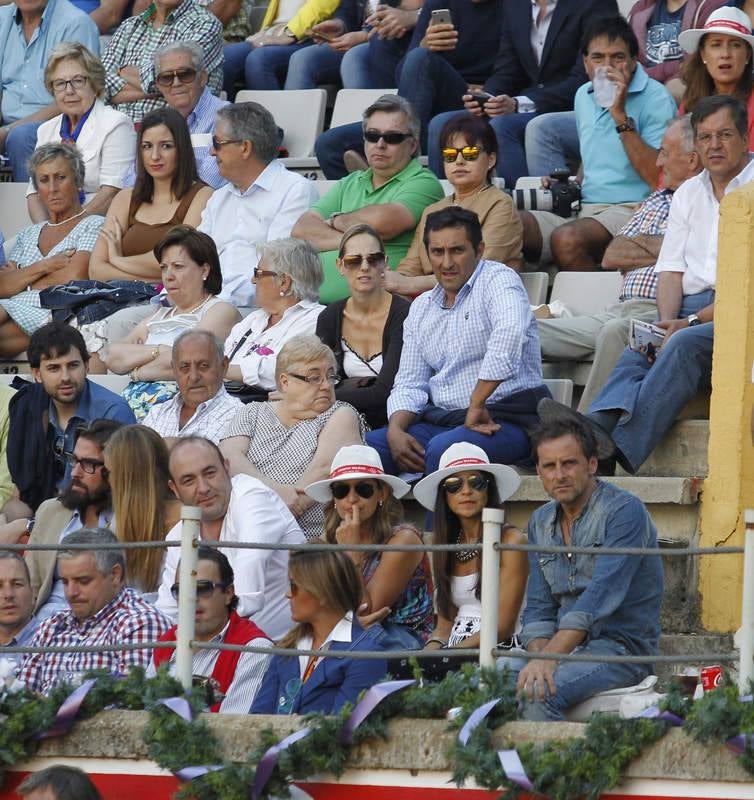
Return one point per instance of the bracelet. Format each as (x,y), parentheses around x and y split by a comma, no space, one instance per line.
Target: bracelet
(155,353)
(135,374)
(437,639)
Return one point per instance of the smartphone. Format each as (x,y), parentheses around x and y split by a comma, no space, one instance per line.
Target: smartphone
(481,98)
(316,35)
(441,16)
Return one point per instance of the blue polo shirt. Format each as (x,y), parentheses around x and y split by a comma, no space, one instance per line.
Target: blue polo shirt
(22,64)
(95,402)
(609,176)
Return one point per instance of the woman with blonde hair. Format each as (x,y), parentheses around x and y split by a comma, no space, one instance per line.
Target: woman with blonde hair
(325,593)
(144,507)
(363,508)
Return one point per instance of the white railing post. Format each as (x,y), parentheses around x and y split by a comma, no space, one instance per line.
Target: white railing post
(492,522)
(746,664)
(190,518)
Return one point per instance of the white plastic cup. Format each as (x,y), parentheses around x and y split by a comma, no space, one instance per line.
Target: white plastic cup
(604,89)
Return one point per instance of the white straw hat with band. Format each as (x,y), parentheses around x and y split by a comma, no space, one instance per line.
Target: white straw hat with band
(726,20)
(351,463)
(466,457)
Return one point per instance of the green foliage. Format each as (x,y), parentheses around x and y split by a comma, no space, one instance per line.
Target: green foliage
(676,701)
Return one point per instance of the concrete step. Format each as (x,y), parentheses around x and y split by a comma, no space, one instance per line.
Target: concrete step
(682,452)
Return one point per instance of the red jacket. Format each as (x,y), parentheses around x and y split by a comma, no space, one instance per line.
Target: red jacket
(240,631)
(695,15)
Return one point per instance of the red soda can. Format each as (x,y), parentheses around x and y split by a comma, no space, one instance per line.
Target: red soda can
(712,677)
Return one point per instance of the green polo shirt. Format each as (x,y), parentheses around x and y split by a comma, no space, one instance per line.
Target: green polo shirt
(414,187)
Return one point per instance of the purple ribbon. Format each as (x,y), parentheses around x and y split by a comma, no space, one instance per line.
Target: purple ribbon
(514,769)
(67,712)
(178,705)
(189,773)
(653,712)
(477,715)
(270,759)
(737,744)
(367,704)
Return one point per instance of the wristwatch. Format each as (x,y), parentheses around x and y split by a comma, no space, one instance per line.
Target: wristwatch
(692,320)
(625,127)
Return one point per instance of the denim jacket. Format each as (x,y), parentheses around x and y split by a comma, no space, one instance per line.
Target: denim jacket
(612,597)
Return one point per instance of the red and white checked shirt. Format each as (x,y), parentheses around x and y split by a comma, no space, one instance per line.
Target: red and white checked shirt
(126,619)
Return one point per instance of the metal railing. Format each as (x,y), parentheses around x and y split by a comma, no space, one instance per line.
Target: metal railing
(487,652)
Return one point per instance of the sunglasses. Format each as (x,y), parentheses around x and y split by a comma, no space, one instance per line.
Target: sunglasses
(355,261)
(185,75)
(293,587)
(263,273)
(203,588)
(390,137)
(468,153)
(341,490)
(476,482)
(218,143)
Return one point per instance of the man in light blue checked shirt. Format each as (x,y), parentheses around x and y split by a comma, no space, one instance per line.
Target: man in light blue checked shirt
(470,368)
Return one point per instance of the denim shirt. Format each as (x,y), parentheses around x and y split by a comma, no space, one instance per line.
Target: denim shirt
(612,597)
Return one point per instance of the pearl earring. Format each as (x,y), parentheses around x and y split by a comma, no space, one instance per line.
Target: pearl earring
(282,294)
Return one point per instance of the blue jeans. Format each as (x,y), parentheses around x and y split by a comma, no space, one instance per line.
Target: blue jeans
(331,145)
(511,156)
(19,145)
(311,66)
(652,395)
(372,65)
(433,86)
(552,141)
(262,67)
(508,446)
(576,681)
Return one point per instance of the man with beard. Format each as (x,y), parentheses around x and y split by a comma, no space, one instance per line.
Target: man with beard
(84,503)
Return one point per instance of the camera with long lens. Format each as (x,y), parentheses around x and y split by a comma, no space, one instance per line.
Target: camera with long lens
(562,198)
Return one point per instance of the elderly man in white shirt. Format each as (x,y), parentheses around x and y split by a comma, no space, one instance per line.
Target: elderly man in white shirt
(644,395)
(238,509)
(287,284)
(202,406)
(261,201)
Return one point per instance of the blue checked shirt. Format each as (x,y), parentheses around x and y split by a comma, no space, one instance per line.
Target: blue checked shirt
(651,219)
(489,334)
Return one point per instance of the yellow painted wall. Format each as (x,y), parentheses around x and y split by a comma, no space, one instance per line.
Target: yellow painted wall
(730,485)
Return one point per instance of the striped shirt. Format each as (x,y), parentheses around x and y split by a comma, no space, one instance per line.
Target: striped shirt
(488,334)
(135,41)
(201,121)
(126,619)
(650,219)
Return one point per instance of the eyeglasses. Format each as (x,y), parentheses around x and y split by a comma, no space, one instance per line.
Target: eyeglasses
(723,137)
(315,380)
(263,273)
(203,588)
(355,261)
(218,143)
(390,137)
(76,82)
(468,153)
(476,482)
(293,587)
(341,490)
(89,465)
(184,75)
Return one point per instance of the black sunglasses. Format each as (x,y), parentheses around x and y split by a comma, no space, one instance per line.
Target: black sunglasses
(390,137)
(476,482)
(355,261)
(341,490)
(203,588)
(185,75)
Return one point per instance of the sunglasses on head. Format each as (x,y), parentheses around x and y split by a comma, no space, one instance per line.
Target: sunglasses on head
(390,137)
(355,261)
(203,588)
(341,490)
(476,482)
(468,153)
(185,75)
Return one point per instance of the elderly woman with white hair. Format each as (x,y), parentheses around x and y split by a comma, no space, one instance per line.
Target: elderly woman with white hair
(287,282)
(75,77)
(290,443)
(53,251)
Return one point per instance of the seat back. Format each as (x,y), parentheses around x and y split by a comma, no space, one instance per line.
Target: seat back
(535,284)
(14,213)
(585,293)
(299,112)
(351,103)
(561,389)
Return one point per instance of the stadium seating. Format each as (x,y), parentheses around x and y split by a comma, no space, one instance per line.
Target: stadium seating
(13,204)
(350,104)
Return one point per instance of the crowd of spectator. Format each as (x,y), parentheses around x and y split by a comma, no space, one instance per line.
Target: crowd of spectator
(295,362)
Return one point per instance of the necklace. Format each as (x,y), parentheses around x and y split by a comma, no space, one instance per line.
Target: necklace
(192,310)
(464,555)
(56,224)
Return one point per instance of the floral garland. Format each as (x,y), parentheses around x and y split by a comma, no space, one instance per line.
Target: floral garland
(182,742)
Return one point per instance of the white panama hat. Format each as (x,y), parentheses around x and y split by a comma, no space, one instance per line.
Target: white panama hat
(462,457)
(726,20)
(350,463)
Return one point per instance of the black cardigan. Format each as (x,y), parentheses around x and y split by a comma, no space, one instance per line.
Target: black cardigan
(370,396)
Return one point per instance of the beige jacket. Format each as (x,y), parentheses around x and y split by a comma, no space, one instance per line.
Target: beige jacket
(51,519)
